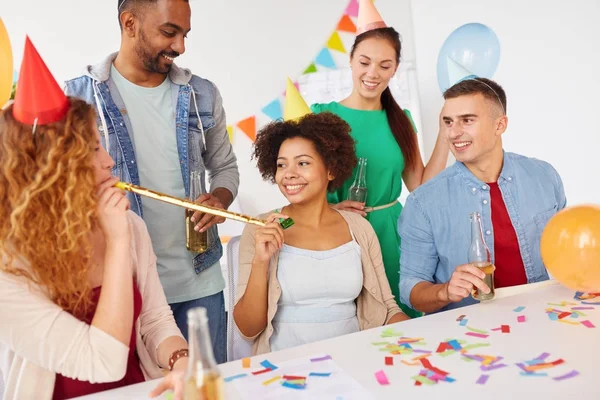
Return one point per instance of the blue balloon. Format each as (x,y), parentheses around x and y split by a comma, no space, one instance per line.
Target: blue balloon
(471,50)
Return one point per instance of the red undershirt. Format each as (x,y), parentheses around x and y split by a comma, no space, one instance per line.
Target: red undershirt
(510,270)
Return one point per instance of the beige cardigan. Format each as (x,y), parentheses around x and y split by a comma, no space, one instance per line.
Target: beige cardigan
(375,304)
(39,339)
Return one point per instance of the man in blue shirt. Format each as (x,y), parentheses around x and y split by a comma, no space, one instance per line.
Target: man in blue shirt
(515,196)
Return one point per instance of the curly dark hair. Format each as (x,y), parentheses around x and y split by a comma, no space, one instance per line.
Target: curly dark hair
(330,135)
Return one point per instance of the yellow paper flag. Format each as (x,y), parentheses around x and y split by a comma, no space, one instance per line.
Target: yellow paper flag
(6,66)
(335,43)
(230,132)
(295,106)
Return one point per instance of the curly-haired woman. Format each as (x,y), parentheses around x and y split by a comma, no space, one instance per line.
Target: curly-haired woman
(81,305)
(324,276)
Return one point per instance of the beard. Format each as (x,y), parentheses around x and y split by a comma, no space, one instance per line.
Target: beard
(151,61)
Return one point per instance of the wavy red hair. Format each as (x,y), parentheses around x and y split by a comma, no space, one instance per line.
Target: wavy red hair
(47,206)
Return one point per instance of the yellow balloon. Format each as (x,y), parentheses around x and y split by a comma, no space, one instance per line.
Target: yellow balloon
(6,66)
(570,247)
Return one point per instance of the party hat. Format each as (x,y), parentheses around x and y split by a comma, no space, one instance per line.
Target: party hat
(295,106)
(368,17)
(38,100)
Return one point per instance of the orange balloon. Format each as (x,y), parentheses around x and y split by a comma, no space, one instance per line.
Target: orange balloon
(6,66)
(570,247)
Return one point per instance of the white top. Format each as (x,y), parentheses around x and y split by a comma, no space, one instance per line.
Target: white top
(152,115)
(318,293)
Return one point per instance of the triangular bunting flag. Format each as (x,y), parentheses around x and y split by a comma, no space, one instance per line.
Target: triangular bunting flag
(335,43)
(248,126)
(346,25)
(324,58)
(230,132)
(311,69)
(352,9)
(457,72)
(273,110)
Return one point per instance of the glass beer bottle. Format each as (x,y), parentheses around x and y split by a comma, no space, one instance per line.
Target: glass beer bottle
(479,256)
(358,190)
(195,241)
(203,379)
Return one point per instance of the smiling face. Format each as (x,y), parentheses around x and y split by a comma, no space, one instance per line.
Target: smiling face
(159,31)
(301,173)
(473,126)
(373,65)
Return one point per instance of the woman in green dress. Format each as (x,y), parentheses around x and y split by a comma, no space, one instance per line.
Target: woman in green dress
(386,137)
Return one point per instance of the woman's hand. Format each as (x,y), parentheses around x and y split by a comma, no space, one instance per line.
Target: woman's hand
(352,206)
(173,381)
(268,238)
(112,211)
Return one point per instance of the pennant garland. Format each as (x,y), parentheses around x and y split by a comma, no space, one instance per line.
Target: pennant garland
(334,49)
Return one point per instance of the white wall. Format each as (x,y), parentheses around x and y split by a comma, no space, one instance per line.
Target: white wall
(549,67)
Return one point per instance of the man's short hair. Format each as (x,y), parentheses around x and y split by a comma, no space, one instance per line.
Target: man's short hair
(486,87)
(130,5)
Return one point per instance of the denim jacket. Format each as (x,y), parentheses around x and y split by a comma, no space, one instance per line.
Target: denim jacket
(435,230)
(202,138)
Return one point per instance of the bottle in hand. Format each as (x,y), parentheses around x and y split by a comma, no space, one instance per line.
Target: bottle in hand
(479,256)
(196,242)
(203,380)
(358,190)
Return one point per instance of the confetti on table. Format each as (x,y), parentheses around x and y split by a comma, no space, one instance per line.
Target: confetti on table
(477,330)
(582,308)
(475,334)
(389,361)
(320,374)
(571,374)
(588,324)
(586,296)
(460,318)
(563,315)
(230,378)
(271,380)
(267,364)
(293,386)
(381,378)
(422,351)
(505,329)
(476,345)
(262,371)
(380,343)
(482,379)
(431,375)
(389,332)
(492,367)
(293,377)
(519,309)
(327,357)
(463,322)
(521,318)
(245,363)
(564,321)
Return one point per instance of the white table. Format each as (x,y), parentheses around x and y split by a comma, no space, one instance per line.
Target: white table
(577,345)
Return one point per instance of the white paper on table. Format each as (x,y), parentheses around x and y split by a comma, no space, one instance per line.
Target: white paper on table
(339,385)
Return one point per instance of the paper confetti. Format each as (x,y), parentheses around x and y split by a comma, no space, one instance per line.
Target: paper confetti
(463,322)
(230,378)
(477,330)
(293,386)
(389,332)
(389,361)
(521,318)
(273,379)
(505,329)
(267,364)
(327,357)
(262,371)
(381,378)
(320,374)
(482,379)
(245,363)
(460,318)
(519,309)
(582,308)
(588,324)
(475,334)
(571,374)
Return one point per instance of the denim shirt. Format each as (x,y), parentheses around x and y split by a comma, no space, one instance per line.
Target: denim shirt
(202,139)
(435,230)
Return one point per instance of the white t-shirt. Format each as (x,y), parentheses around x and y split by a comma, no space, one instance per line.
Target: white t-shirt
(152,115)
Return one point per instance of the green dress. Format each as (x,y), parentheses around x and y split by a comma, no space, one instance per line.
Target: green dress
(385,164)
